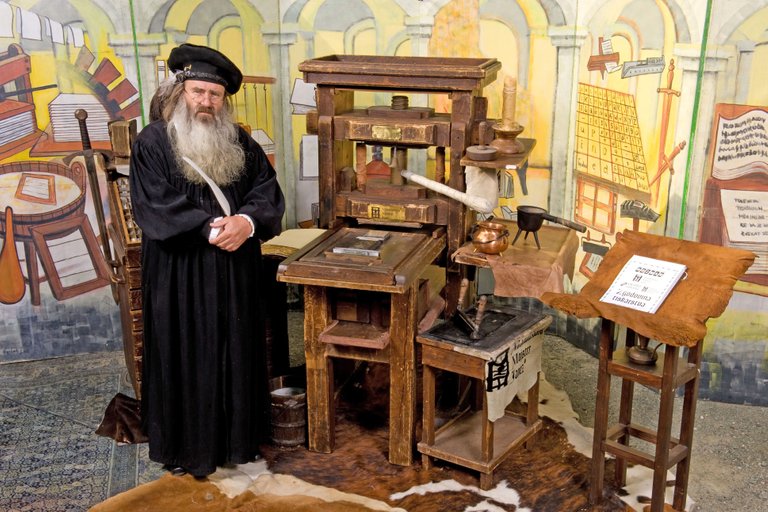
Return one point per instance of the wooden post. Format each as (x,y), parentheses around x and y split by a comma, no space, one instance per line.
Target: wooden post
(360,165)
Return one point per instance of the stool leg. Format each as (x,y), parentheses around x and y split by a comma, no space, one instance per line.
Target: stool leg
(428,421)
(625,418)
(664,431)
(601,412)
(33,277)
(402,376)
(532,412)
(321,414)
(486,479)
(686,428)
(625,415)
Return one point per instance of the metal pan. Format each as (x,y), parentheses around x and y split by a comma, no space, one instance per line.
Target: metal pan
(530,219)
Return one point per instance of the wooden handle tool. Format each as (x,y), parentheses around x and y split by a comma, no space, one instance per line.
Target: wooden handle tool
(481,305)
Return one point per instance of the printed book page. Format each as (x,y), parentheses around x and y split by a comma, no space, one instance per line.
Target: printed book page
(644,283)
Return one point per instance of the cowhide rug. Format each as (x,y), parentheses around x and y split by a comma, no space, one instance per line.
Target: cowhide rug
(550,476)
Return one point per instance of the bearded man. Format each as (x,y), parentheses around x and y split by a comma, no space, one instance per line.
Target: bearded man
(204,390)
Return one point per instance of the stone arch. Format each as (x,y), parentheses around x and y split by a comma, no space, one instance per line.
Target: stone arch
(396,42)
(88,13)
(732,24)
(554,12)
(313,15)
(600,14)
(514,18)
(354,30)
(341,15)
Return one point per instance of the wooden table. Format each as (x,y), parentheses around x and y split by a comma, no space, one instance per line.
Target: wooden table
(507,360)
(523,270)
(389,285)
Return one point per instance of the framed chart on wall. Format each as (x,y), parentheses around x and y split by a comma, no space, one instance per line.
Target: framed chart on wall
(735,208)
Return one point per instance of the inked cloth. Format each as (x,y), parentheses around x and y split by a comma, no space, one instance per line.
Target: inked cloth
(122,420)
(681,319)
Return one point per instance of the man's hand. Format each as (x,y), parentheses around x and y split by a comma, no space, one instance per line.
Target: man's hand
(234,230)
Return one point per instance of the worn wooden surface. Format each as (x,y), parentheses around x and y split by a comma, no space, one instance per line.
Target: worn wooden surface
(502,161)
(403,258)
(404,73)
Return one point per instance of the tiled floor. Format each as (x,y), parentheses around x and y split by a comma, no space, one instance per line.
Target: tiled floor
(50,458)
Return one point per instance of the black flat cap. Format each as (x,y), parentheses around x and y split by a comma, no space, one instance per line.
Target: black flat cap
(194,62)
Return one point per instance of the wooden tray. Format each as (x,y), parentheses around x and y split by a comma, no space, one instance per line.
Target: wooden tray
(423,73)
(402,258)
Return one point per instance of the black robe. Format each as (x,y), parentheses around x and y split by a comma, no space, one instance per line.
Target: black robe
(204,394)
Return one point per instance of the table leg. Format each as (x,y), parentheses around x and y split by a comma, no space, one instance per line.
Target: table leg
(321,424)
(625,415)
(601,412)
(402,376)
(487,442)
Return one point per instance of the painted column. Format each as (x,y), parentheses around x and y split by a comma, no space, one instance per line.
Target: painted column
(309,43)
(568,41)
(419,30)
(148,48)
(746,51)
(687,60)
(279,39)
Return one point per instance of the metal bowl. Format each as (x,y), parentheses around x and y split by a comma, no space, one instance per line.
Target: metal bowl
(490,237)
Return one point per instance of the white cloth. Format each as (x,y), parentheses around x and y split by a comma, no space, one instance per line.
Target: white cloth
(511,371)
(214,188)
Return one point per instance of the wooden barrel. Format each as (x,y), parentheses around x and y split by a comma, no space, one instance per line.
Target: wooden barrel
(288,413)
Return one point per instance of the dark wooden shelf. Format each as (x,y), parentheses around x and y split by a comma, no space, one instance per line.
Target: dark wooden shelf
(459,441)
(355,334)
(506,162)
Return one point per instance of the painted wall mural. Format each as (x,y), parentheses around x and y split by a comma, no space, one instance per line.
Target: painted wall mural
(649,115)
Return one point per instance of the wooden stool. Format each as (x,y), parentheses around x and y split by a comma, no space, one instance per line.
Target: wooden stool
(665,376)
(472,440)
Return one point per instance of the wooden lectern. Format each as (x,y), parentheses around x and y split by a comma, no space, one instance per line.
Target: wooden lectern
(679,322)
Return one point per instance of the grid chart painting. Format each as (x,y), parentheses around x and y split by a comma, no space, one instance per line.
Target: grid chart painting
(609,149)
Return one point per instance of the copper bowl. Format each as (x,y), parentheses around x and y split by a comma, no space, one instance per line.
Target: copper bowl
(490,237)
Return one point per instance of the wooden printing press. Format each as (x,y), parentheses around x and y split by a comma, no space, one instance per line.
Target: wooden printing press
(367,282)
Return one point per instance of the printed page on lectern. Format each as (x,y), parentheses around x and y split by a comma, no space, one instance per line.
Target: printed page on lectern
(643,283)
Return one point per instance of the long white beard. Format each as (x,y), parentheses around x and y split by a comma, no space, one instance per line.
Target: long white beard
(211,144)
